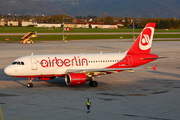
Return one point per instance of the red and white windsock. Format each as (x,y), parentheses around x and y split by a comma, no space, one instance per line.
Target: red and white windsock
(67,29)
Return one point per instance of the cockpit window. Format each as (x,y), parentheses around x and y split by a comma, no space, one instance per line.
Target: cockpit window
(14,63)
(18,63)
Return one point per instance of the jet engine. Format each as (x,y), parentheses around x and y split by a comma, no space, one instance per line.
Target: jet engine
(73,79)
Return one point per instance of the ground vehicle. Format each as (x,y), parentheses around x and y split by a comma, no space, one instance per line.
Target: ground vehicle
(27,38)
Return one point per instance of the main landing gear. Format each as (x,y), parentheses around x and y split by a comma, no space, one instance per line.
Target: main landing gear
(93,83)
(30,84)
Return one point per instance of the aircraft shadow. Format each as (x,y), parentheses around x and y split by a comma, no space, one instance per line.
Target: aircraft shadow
(178,67)
(166,73)
(57,82)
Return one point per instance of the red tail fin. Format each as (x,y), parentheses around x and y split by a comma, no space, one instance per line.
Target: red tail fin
(144,41)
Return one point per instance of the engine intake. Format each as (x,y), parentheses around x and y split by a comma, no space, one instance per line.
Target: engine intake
(73,79)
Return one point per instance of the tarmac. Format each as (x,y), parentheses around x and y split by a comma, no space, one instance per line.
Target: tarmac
(142,95)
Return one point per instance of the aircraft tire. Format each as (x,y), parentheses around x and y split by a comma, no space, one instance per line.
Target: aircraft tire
(93,83)
(29,85)
(90,83)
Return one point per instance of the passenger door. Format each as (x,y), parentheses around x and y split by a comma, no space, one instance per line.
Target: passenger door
(130,60)
(34,64)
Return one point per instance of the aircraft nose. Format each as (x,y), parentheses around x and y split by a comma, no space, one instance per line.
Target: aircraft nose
(8,70)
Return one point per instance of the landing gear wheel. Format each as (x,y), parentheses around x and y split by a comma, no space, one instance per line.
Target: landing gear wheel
(29,85)
(90,83)
(93,84)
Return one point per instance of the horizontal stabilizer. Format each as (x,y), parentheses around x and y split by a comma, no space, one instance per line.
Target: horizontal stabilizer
(154,67)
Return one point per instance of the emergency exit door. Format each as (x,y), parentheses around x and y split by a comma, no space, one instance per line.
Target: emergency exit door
(34,64)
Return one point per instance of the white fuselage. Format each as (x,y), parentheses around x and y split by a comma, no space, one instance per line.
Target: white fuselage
(57,64)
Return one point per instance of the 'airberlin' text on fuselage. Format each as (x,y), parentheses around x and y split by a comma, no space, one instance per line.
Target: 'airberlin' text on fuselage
(76,61)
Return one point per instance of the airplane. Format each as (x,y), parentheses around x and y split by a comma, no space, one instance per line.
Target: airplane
(80,68)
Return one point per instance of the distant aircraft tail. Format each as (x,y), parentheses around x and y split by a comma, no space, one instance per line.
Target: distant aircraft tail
(144,41)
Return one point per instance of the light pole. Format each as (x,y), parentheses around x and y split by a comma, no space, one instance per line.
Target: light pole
(133,29)
(63,31)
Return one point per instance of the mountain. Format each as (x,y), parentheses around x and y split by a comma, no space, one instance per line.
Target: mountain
(120,8)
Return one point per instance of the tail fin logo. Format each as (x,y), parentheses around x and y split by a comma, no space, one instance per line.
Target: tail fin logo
(146,38)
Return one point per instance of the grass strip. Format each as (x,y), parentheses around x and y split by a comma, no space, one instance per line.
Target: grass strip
(81,37)
(74,30)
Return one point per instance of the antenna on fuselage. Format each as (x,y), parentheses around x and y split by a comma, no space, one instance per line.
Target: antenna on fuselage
(32,54)
(101,52)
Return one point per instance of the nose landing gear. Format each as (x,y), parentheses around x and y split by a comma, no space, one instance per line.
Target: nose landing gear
(30,84)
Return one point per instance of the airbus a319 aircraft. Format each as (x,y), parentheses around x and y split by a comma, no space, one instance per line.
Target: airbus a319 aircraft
(80,68)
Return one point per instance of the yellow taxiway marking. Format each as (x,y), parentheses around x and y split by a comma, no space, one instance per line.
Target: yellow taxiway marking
(59,49)
(103,87)
(1,113)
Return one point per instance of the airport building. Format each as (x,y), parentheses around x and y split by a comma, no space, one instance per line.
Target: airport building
(26,23)
(13,23)
(48,25)
(2,22)
(76,25)
(102,25)
(66,25)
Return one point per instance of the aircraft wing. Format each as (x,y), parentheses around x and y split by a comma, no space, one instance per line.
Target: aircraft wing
(113,70)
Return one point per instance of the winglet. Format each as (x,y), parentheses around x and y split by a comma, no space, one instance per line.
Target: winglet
(154,67)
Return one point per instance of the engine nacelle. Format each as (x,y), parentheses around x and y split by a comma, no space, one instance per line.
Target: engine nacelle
(73,79)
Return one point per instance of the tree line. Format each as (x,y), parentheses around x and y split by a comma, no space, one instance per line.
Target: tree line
(161,23)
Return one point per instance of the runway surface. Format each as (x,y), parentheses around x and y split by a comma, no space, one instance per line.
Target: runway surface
(143,95)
